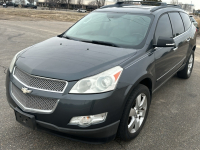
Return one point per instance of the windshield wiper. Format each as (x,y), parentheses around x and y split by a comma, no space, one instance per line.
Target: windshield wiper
(66,37)
(102,43)
(94,42)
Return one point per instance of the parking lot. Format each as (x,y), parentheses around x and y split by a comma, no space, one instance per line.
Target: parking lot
(173,121)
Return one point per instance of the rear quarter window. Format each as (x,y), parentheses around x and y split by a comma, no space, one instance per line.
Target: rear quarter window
(177,23)
(186,20)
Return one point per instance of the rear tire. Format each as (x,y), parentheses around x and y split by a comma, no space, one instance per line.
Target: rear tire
(187,71)
(135,113)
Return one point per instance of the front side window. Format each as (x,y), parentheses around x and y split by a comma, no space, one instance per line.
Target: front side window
(163,28)
(121,29)
(177,23)
(186,20)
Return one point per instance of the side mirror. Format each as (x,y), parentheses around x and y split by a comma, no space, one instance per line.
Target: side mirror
(165,42)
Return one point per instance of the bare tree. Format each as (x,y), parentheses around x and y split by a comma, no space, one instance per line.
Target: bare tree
(174,2)
(97,3)
(21,2)
(154,0)
(101,3)
(92,3)
(68,3)
(31,1)
(80,3)
(52,3)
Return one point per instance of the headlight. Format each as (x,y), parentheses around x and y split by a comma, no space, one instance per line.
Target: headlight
(85,121)
(13,61)
(103,82)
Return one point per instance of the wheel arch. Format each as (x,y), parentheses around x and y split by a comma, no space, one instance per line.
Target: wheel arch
(146,80)
(194,48)
(148,83)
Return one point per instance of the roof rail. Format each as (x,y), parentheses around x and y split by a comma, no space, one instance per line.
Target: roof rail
(168,5)
(159,5)
(143,3)
(126,3)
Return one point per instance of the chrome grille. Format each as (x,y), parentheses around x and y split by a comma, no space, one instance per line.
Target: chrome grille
(31,102)
(39,82)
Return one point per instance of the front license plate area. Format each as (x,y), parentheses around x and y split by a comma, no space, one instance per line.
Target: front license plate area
(25,119)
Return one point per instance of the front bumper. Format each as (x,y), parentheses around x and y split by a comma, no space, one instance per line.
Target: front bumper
(99,135)
(77,105)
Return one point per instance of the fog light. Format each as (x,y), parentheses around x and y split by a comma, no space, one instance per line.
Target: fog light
(88,120)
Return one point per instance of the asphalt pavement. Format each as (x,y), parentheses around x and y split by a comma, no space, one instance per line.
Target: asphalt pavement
(173,121)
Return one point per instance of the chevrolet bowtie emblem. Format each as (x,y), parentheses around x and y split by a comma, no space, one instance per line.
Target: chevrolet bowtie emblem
(26,90)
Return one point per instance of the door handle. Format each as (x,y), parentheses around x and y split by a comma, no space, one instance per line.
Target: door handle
(188,39)
(175,48)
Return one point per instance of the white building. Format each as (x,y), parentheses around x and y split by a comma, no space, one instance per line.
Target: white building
(74,4)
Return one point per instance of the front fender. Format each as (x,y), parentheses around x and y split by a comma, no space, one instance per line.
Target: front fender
(137,71)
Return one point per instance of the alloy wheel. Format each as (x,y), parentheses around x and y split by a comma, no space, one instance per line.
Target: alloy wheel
(137,113)
(190,64)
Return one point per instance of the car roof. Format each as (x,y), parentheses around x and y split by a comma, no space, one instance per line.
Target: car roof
(151,8)
(129,9)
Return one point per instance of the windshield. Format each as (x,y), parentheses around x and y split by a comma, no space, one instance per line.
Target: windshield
(119,29)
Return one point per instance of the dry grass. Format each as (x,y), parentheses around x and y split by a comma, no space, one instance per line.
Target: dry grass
(198,20)
(44,14)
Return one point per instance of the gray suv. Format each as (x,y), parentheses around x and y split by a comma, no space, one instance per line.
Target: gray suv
(95,81)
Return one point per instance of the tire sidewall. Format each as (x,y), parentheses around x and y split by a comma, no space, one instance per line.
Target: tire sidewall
(192,64)
(138,90)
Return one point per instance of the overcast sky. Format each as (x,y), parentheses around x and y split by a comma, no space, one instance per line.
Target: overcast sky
(195,2)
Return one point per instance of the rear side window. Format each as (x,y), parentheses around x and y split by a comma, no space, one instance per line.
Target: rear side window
(163,28)
(186,21)
(177,23)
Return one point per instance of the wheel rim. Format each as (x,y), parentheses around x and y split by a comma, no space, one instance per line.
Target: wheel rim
(190,64)
(137,113)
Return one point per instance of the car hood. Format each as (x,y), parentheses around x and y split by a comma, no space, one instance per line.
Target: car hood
(70,60)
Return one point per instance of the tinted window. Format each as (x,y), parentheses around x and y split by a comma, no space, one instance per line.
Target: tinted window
(186,20)
(177,23)
(121,29)
(163,28)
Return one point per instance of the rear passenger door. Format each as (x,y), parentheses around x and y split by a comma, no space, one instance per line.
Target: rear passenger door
(167,59)
(181,38)
(188,34)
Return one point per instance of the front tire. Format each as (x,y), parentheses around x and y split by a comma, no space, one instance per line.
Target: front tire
(135,113)
(187,71)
